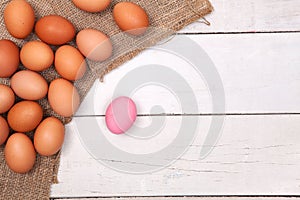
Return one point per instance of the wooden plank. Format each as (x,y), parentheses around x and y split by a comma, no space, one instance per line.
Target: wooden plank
(250,16)
(190,198)
(255,155)
(260,74)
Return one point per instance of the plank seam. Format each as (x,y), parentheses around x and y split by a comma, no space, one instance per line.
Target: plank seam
(204,114)
(182,196)
(237,32)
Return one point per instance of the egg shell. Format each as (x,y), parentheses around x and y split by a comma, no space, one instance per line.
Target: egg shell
(94,44)
(120,115)
(131,18)
(49,136)
(7,98)
(25,116)
(4,130)
(63,97)
(69,63)
(36,56)
(55,30)
(29,85)
(19,18)
(9,58)
(92,5)
(19,153)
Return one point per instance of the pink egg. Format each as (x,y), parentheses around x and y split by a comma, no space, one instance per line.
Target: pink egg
(120,115)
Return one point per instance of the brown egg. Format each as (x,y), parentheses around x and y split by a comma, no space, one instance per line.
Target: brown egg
(36,56)
(7,98)
(131,18)
(19,153)
(29,85)
(63,97)
(49,136)
(19,18)
(9,58)
(69,63)
(94,44)
(25,116)
(92,5)
(4,130)
(55,30)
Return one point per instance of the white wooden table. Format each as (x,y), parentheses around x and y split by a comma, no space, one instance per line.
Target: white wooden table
(255,46)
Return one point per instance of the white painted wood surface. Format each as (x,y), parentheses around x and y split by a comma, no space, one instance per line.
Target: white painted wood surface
(256,154)
(250,16)
(260,74)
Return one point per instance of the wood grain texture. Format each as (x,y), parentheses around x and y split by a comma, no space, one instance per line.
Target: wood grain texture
(250,16)
(255,155)
(189,198)
(260,74)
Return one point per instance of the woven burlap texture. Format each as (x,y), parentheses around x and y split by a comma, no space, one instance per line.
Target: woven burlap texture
(166,16)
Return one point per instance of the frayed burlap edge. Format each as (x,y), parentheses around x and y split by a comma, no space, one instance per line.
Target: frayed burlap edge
(177,27)
(36,184)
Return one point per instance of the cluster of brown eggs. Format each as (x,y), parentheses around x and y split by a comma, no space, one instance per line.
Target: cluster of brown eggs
(29,85)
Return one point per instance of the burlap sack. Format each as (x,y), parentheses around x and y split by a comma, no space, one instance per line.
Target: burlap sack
(166,16)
